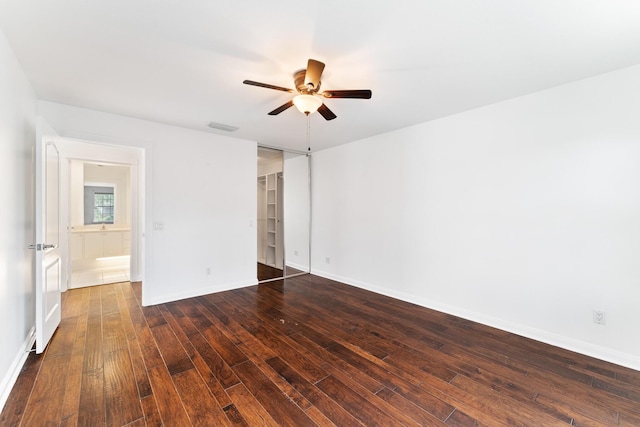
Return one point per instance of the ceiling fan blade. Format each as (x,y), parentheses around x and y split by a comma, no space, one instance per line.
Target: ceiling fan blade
(326,112)
(358,94)
(314,71)
(281,108)
(268,86)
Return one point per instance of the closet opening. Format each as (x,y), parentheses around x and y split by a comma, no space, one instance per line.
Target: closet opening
(283,214)
(270,227)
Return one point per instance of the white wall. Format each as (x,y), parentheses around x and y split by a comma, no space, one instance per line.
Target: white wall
(76,193)
(17,137)
(200,186)
(524,215)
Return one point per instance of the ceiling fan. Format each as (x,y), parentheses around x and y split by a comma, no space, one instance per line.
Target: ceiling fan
(307,86)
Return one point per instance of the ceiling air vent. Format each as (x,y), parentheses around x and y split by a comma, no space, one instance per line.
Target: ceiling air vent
(222,126)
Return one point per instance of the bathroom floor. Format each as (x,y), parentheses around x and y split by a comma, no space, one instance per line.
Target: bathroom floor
(103,272)
(82,278)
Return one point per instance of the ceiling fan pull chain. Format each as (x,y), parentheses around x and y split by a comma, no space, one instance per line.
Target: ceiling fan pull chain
(309,133)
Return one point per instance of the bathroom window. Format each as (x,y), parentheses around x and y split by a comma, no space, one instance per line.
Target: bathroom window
(103,208)
(99,205)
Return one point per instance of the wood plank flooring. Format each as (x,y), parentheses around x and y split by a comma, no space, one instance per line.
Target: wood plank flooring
(304,351)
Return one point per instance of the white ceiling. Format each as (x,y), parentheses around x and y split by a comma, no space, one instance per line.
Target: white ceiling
(183,62)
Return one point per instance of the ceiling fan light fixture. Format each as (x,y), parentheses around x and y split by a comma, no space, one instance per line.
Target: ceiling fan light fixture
(309,98)
(307,104)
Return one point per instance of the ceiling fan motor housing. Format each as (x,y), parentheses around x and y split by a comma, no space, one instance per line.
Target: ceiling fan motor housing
(298,80)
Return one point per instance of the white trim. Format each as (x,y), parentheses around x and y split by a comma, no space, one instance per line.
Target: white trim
(582,347)
(18,362)
(303,268)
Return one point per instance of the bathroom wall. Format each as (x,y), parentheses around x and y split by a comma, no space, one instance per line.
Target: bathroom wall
(87,173)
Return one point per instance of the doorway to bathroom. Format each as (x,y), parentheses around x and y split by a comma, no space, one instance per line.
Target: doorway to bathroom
(100,223)
(101,213)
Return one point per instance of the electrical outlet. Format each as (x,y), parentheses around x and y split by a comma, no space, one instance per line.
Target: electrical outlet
(327,260)
(295,253)
(208,271)
(599,317)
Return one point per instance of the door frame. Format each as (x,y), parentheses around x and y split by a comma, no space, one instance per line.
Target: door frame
(134,157)
(285,152)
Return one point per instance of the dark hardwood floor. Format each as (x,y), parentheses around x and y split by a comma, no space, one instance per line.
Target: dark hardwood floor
(304,351)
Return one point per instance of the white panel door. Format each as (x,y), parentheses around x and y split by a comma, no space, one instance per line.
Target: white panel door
(48,269)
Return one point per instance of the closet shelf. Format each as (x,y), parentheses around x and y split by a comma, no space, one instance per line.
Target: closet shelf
(270,237)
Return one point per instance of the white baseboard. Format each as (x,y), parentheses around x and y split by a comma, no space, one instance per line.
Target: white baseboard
(201,291)
(567,343)
(300,267)
(11,376)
